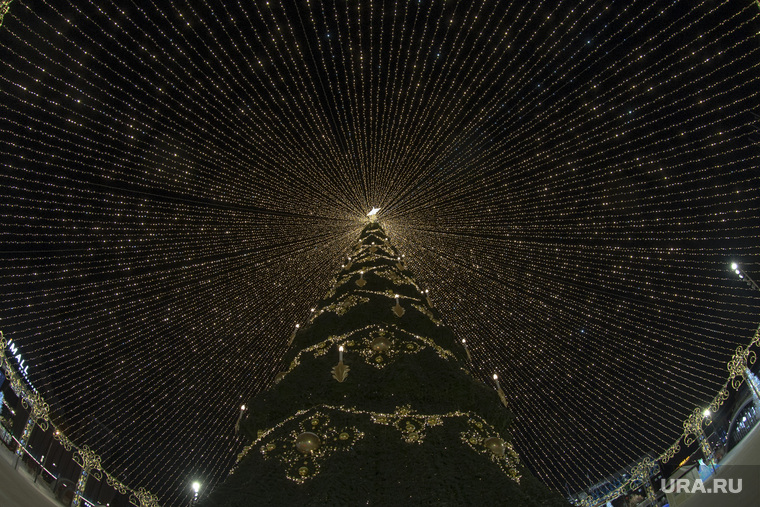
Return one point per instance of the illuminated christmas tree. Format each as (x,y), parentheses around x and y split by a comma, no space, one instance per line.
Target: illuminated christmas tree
(375,406)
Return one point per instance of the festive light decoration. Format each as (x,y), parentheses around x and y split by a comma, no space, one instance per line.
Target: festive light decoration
(571,181)
(398,310)
(363,343)
(307,442)
(411,382)
(496,448)
(410,425)
(311,445)
(5,6)
(495,445)
(340,371)
(85,457)
(380,343)
(464,344)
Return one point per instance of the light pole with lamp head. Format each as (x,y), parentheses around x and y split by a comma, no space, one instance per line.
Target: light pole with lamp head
(196,489)
(44,458)
(744,276)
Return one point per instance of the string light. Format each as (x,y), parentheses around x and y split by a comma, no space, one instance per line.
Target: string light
(183,181)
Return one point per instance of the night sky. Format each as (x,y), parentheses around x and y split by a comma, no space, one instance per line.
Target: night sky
(570,180)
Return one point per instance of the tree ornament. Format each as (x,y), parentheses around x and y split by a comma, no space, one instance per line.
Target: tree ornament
(464,344)
(380,343)
(293,336)
(340,371)
(398,310)
(502,397)
(361,282)
(239,419)
(495,445)
(307,442)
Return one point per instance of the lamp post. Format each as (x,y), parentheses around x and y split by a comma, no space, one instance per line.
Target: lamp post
(25,436)
(196,489)
(707,450)
(744,276)
(43,460)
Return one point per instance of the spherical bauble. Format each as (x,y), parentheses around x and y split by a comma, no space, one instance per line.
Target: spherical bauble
(495,445)
(307,442)
(380,344)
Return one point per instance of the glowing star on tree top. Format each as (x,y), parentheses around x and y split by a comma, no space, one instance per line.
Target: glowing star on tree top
(373,214)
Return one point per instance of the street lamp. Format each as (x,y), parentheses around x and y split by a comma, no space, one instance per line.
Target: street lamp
(196,489)
(744,276)
(44,457)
